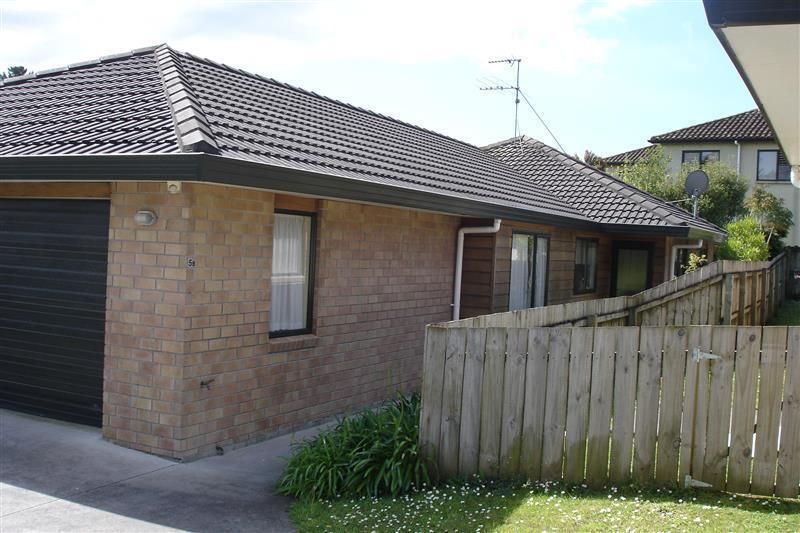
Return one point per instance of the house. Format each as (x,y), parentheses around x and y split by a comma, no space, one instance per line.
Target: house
(760,37)
(196,257)
(743,141)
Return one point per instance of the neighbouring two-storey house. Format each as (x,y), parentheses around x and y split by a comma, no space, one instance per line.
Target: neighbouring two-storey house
(744,141)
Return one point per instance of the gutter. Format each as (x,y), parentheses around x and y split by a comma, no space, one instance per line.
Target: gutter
(494,228)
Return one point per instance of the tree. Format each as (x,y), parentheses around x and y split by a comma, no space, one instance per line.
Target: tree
(13,71)
(724,200)
(745,241)
(591,158)
(650,173)
(774,219)
(722,203)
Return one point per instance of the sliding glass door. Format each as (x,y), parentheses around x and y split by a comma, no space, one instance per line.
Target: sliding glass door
(529,259)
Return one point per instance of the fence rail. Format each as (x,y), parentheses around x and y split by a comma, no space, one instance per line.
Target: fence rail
(652,405)
(722,293)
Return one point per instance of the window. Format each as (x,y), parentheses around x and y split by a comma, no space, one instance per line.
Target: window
(292,272)
(529,255)
(585,279)
(700,157)
(772,166)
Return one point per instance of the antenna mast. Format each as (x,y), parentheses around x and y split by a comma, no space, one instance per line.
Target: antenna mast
(511,61)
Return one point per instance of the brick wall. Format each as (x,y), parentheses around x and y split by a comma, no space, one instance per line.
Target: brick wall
(189,365)
(382,275)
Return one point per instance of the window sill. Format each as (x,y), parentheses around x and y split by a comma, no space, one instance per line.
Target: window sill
(775,182)
(294,343)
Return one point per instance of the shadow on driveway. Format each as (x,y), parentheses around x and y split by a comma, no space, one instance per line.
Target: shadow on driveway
(60,476)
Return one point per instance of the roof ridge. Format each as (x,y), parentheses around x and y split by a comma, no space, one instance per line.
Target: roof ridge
(520,138)
(191,124)
(651,139)
(322,97)
(79,65)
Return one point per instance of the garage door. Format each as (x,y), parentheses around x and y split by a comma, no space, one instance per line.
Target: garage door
(53,257)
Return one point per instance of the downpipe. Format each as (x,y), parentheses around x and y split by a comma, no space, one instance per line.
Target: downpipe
(494,228)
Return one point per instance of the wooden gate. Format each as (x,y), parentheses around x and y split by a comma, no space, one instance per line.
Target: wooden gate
(718,405)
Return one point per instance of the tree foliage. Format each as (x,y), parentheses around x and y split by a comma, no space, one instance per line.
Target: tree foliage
(722,203)
(13,71)
(745,241)
(724,200)
(650,173)
(591,158)
(773,217)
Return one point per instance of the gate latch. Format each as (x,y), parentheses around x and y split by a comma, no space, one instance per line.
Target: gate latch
(699,355)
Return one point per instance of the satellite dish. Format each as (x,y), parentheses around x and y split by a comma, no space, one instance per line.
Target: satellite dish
(696,183)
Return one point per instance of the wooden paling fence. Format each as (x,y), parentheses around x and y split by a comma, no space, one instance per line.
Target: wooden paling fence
(651,405)
(724,292)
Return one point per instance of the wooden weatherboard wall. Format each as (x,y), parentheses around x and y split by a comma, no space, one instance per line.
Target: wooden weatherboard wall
(722,293)
(616,404)
(487,265)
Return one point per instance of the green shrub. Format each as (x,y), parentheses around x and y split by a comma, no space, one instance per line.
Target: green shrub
(372,453)
(745,241)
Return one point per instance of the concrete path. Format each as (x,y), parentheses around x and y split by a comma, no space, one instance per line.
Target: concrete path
(56,476)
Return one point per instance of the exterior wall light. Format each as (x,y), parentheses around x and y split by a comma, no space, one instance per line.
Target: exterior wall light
(173,187)
(145,217)
(795,176)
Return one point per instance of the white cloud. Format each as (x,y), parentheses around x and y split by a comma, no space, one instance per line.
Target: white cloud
(553,36)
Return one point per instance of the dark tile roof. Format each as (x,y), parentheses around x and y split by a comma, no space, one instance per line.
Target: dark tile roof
(603,198)
(156,101)
(631,156)
(747,126)
(114,105)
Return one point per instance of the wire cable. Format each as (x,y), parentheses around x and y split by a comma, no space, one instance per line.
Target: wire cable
(541,120)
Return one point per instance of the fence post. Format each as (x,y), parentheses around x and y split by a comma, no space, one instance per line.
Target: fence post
(742,300)
(726,293)
(764,303)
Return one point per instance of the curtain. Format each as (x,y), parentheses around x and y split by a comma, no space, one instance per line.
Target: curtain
(591,265)
(520,290)
(290,266)
(540,285)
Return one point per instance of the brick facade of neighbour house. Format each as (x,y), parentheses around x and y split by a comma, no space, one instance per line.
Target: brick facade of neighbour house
(189,363)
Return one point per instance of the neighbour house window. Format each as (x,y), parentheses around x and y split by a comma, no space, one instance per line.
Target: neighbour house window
(529,254)
(585,279)
(700,157)
(292,274)
(772,166)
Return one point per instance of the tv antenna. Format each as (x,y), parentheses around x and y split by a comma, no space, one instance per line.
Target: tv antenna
(511,61)
(695,185)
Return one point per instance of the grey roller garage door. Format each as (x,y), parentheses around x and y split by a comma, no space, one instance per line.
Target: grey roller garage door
(53,260)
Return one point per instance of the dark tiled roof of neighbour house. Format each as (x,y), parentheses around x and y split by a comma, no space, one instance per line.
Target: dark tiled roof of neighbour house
(631,156)
(747,126)
(600,196)
(157,101)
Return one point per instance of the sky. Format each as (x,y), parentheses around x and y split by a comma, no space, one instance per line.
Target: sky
(604,75)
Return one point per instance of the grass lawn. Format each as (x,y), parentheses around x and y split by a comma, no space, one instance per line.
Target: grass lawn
(787,315)
(485,506)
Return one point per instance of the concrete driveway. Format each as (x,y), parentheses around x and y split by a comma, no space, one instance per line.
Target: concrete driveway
(56,476)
